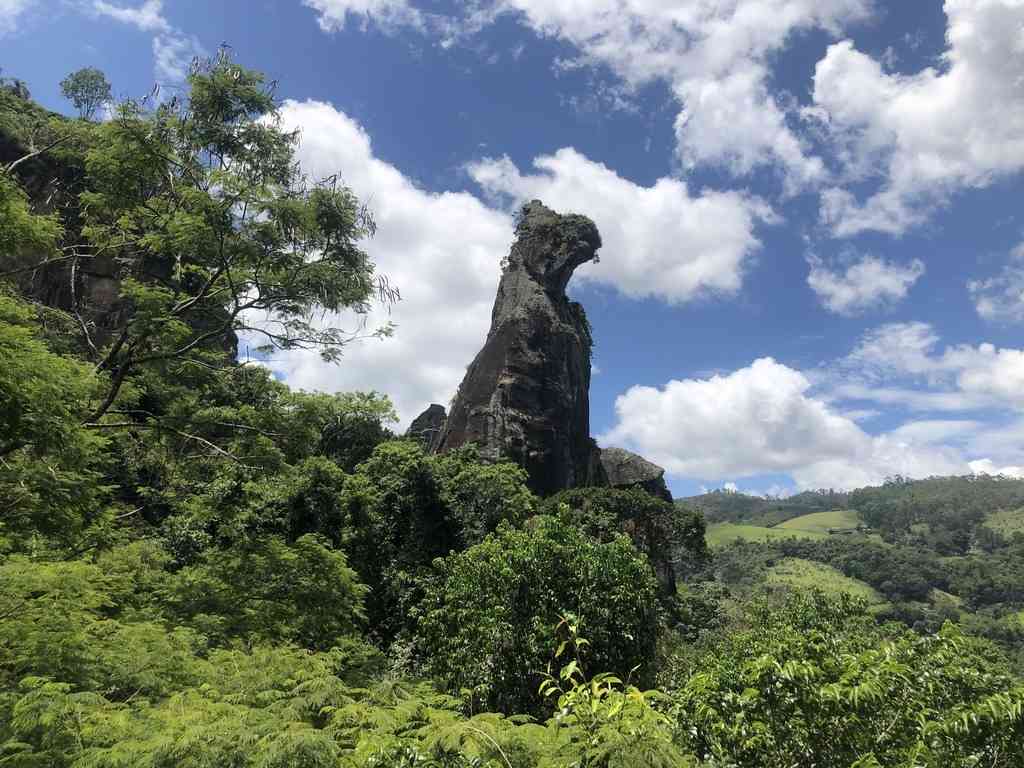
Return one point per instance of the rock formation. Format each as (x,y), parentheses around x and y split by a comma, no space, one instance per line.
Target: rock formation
(627,470)
(427,427)
(525,396)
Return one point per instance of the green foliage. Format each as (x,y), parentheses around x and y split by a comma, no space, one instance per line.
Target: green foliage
(722,506)
(49,481)
(607,722)
(21,230)
(88,89)
(487,622)
(670,535)
(403,508)
(816,682)
(267,590)
(213,232)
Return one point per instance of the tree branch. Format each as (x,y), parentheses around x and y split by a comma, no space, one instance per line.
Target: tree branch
(10,168)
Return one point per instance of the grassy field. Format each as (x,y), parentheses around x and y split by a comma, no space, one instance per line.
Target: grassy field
(806,574)
(822,522)
(1006,521)
(723,534)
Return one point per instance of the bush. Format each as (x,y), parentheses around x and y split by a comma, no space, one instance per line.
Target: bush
(488,620)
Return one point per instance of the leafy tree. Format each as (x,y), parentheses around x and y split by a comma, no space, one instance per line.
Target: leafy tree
(671,536)
(266,589)
(403,508)
(88,89)
(487,623)
(214,233)
(49,478)
(21,230)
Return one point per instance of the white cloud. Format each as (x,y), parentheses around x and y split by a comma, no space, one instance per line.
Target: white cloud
(147,18)
(173,50)
(442,251)
(868,283)
(1001,298)
(965,376)
(10,10)
(714,56)
(900,348)
(172,56)
(763,420)
(658,241)
(333,15)
(989,467)
(925,136)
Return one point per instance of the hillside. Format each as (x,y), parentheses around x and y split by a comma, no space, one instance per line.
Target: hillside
(723,534)
(797,573)
(731,507)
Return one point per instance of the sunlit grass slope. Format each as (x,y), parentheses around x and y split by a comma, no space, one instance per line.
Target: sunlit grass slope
(805,574)
(823,522)
(723,534)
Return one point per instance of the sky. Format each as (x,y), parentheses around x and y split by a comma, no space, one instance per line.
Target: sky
(813,264)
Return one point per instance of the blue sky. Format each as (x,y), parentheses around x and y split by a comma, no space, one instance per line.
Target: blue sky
(813,272)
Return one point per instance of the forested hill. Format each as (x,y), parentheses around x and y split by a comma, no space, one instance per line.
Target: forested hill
(201,567)
(724,506)
(923,552)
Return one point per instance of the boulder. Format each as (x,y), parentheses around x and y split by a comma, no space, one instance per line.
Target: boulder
(625,469)
(426,427)
(525,397)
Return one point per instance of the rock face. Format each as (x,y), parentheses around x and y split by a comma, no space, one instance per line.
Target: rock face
(427,427)
(627,470)
(525,397)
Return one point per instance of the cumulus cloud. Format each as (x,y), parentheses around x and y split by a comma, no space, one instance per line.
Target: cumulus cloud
(173,50)
(442,251)
(764,419)
(10,11)
(989,467)
(1001,298)
(148,17)
(333,15)
(868,283)
(659,241)
(958,377)
(925,136)
(715,57)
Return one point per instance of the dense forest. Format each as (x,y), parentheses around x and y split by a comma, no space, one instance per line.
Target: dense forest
(201,567)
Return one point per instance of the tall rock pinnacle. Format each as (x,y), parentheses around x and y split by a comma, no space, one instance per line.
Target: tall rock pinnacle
(525,397)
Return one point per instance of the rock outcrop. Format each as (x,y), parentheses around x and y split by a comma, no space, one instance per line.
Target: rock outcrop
(525,397)
(628,470)
(427,427)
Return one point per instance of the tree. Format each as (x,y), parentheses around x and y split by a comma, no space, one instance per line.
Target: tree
(49,479)
(670,535)
(199,209)
(266,589)
(88,89)
(488,621)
